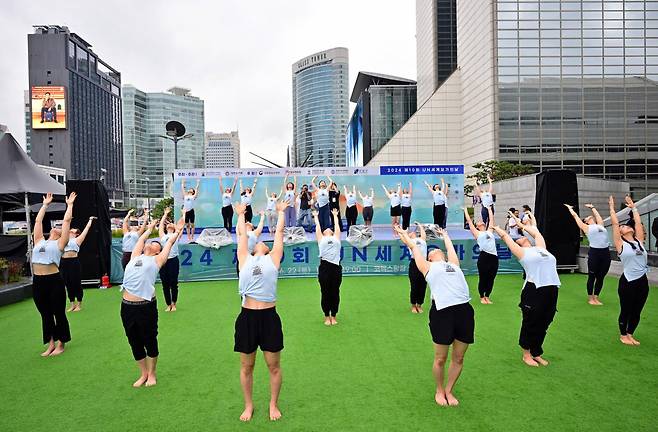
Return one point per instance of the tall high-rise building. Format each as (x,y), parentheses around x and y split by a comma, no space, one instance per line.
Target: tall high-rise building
(320,108)
(148,157)
(555,84)
(75,116)
(222,150)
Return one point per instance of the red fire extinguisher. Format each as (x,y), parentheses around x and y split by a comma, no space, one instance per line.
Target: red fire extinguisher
(105,281)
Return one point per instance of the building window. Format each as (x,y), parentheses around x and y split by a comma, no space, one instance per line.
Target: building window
(71,59)
(83,63)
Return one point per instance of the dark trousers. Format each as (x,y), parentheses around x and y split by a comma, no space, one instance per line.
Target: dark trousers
(351,214)
(417,283)
(538,307)
(324,216)
(632,297)
(330,277)
(70,270)
(125,259)
(485,215)
(248,214)
(45,110)
(169,278)
(487,271)
(438,214)
(331,218)
(50,299)
(598,264)
(227,215)
(140,322)
(406,217)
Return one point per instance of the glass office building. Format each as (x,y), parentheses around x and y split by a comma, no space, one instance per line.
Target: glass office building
(578,87)
(320,108)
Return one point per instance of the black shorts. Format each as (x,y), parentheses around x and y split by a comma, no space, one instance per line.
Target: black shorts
(189,216)
(367,214)
(396,211)
(454,322)
(258,328)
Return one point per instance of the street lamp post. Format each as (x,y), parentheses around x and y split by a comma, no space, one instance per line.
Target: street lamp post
(148,193)
(175,132)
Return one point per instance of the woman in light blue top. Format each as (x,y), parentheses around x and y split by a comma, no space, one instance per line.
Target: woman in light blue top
(439,200)
(227,203)
(246,196)
(291,197)
(598,255)
(132,230)
(417,282)
(139,312)
(488,257)
(633,283)
(322,200)
(170,270)
(351,209)
(189,201)
(258,323)
(368,202)
(486,198)
(270,210)
(70,266)
(330,272)
(405,206)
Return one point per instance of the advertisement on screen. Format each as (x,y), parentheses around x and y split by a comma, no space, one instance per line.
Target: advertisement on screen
(48,107)
(354,138)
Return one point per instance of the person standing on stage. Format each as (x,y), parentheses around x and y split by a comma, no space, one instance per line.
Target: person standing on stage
(405,206)
(334,203)
(395,201)
(305,202)
(440,199)
(368,202)
(270,210)
(417,282)
(510,225)
(132,231)
(633,287)
(452,319)
(139,311)
(330,272)
(539,295)
(169,271)
(487,259)
(47,285)
(70,266)
(486,198)
(246,196)
(351,209)
(291,198)
(598,255)
(189,201)
(227,203)
(322,202)
(258,324)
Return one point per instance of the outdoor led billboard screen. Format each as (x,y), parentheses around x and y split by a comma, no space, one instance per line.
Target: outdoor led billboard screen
(48,107)
(354,137)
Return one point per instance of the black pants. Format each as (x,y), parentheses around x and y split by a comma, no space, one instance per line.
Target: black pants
(417,283)
(438,214)
(331,216)
(140,321)
(330,277)
(485,215)
(125,259)
(248,214)
(406,217)
(632,296)
(169,278)
(487,271)
(538,306)
(350,214)
(70,270)
(50,299)
(598,264)
(227,215)
(368,214)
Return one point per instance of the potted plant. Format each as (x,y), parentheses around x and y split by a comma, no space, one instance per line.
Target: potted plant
(4,269)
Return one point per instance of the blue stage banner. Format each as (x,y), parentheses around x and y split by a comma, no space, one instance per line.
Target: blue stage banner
(381,257)
(421,169)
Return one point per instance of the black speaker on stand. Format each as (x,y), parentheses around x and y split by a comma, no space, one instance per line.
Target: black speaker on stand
(95,252)
(554,189)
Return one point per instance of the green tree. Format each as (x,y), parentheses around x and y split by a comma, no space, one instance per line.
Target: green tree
(158,210)
(498,170)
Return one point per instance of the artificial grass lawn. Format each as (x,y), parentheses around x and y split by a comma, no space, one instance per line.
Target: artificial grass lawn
(372,372)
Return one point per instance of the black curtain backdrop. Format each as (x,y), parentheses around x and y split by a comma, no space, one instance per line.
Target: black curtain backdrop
(554,189)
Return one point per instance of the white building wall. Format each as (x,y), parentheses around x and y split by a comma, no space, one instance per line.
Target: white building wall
(426,49)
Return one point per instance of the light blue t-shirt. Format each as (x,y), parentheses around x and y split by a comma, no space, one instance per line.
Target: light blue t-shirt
(448,285)
(350,199)
(322,197)
(439,197)
(420,244)
(405,200)
(173,252)
(129,241)
(633,260)
(139,277)
(72,246)
(46,252)
(540,267)
(487,243)
(597,236)
(329,247)
(258,279)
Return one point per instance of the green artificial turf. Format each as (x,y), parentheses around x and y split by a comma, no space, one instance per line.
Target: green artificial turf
(372,372)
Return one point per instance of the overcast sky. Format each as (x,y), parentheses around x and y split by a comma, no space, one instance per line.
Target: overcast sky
(236,55)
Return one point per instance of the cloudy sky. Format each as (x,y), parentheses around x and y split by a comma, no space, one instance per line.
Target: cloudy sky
(236,55)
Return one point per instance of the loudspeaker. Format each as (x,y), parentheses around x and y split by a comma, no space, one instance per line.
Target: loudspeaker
(95,252)
(554,189)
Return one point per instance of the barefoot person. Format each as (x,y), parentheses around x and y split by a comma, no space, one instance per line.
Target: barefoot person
(405,206)
(417,282)
(258,324)
(270,210)
(486,199)
(488,258)
(47,284)
(170,270)
(452,319)
(330,272)
(139,311)
(539,295)
(246,196)
(367,201)
(351,209)
(322,201)
(189,200)
(598,256)
(291,198)
(395,201)
(131,233)
(440,199)
(70,266)
(227,203)
(633,283)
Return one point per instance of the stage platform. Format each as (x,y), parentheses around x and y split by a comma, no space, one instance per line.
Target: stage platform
(385,255)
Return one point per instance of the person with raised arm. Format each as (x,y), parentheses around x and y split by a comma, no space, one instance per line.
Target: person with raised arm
(139,310)
(452,319)
(330,272)
(633,288)
(488,257)
(189,201)
(351,209)
(246,197)
(540,292)
(227,203)
(322,201)
(48,289)
(405,206)
(132,230)
(270,210)
(258,324)
(417,282)
(70,266)
(170,270)
(291,198)
(598,255)
(253,235)
(395,202)
(367,201)
(439,199)
(334,203)
(486,199)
